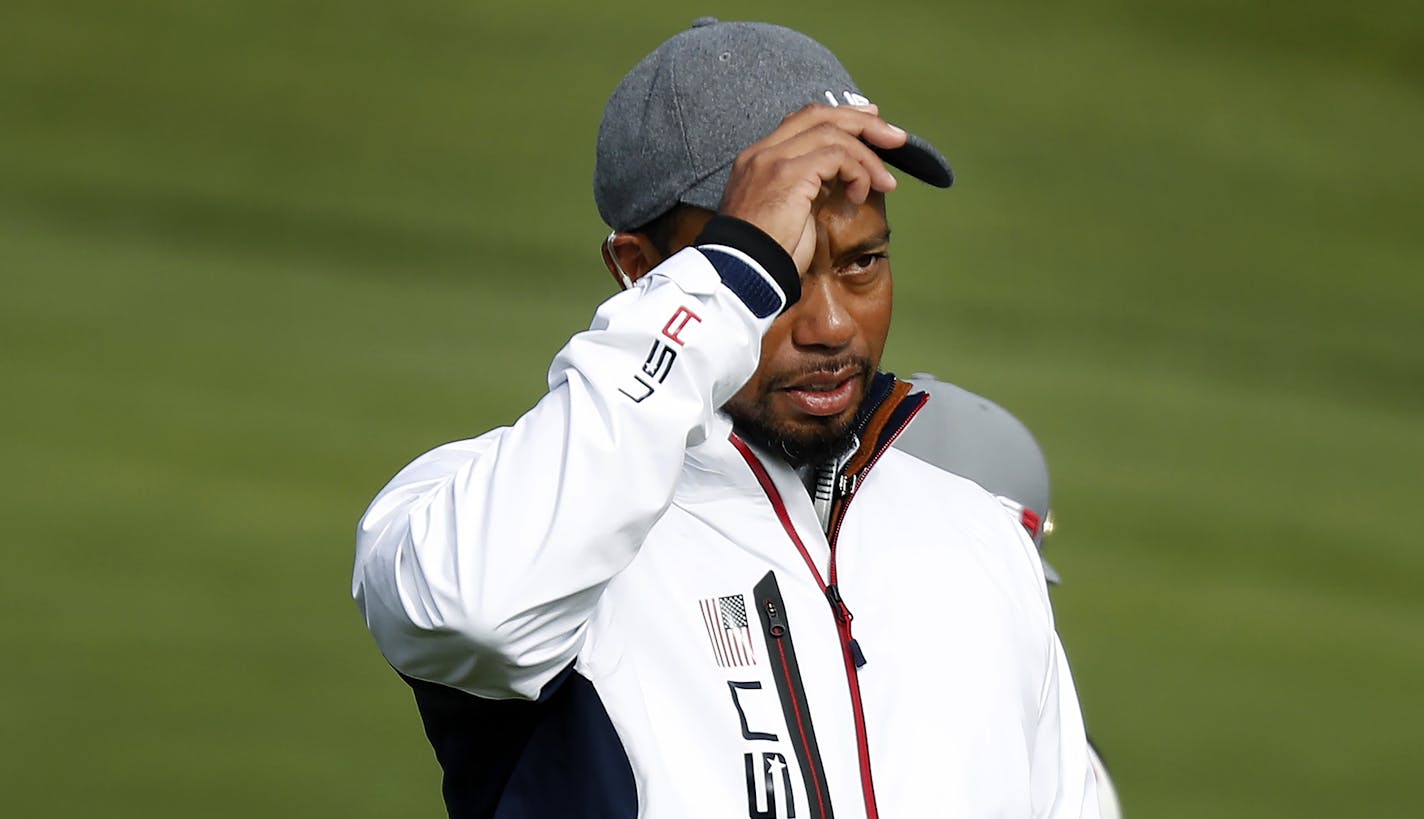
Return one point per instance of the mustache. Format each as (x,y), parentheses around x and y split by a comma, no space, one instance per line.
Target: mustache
(827,366)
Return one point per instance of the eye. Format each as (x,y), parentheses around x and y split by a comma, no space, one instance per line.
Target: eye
(865,262)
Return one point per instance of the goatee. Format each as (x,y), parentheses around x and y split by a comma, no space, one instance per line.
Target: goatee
(753,420)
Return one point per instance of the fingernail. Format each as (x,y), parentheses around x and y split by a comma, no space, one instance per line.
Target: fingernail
(897,129)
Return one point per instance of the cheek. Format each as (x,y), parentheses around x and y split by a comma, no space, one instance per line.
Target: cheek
(775,347)
(874,319)
(750,395)
(887,314)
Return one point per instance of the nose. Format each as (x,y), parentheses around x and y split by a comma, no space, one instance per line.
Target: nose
(821,319)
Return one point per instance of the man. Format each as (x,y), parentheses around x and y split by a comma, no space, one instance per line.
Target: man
(636,601)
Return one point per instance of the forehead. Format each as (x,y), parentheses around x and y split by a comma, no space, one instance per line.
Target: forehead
(844,221)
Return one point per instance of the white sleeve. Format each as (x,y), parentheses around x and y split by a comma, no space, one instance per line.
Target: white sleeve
(1063,782)
(1108,804)
(480,563)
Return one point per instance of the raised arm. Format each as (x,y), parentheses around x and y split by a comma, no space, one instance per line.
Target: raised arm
(478,564)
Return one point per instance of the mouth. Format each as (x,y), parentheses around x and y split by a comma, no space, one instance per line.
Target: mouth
(824,393)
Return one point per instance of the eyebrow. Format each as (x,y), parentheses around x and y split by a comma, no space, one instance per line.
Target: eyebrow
(865,245)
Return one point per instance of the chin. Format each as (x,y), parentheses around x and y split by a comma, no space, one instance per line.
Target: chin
(799,442)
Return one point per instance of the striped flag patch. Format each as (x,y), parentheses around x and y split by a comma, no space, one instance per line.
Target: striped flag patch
(728,630)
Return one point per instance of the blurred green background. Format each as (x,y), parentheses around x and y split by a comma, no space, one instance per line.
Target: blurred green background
(256,255)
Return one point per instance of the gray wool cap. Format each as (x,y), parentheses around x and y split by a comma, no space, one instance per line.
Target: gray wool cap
(676,122)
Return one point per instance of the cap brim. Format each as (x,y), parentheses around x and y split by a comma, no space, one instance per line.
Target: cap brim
(921,160)
(1049,573)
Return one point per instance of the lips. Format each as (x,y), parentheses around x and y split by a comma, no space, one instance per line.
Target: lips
(824,393)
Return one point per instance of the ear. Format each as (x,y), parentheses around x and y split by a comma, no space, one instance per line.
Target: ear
(629,257)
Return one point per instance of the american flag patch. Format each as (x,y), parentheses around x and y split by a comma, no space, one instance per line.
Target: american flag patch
(728,630)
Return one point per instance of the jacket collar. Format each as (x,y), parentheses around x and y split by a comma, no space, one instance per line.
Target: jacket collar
(888,406)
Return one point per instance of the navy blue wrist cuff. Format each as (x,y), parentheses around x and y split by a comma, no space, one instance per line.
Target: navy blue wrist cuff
(741,279)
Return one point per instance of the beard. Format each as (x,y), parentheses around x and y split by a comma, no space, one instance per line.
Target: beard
(812,442)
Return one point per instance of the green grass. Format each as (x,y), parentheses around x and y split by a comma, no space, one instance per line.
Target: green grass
(255,256)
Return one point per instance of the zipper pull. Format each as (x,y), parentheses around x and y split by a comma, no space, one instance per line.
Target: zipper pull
(846,485)
(856,654)
(773,616)
(843,615)
(838,605)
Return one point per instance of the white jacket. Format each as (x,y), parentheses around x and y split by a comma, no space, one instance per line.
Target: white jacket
(615,607)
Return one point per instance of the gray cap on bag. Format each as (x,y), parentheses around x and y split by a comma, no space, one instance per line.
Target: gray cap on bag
(678,119)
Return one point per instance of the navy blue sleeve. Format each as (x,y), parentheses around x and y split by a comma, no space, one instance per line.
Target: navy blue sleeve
(557,756)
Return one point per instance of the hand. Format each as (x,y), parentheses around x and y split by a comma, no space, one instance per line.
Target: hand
(775,182)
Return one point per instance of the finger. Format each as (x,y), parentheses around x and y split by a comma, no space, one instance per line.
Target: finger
(849,149)
(824,165)
(858,176)
(833,163)
(869,126)
(857,184)
(861,122)
(824,126)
